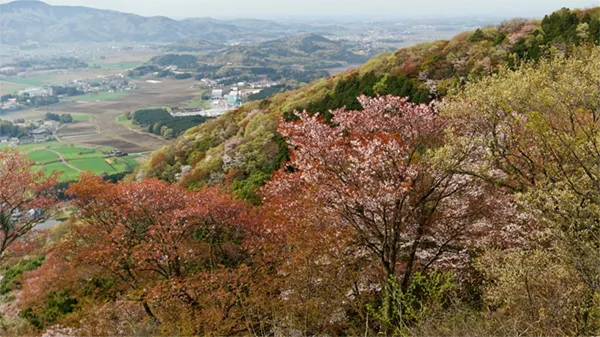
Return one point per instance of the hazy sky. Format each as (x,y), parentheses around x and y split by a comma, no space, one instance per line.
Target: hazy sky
(368,8)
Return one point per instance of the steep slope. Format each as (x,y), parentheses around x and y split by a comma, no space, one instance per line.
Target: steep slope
(242,148)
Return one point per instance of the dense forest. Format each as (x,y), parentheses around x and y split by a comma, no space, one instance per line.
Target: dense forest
(160,122)
(470,212)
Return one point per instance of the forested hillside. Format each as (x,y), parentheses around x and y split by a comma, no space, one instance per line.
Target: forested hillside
(243,149)
(478,216)
(472,215)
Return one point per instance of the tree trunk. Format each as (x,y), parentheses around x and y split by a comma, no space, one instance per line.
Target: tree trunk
(150,313)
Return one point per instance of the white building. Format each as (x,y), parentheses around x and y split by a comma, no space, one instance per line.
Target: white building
(217,93)
(35,92)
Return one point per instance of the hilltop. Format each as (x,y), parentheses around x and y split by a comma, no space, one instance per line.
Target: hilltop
(242,147)
(301,49)
(193,45)
(35,21)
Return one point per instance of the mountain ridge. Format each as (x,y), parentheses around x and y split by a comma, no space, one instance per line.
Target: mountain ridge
(30,21)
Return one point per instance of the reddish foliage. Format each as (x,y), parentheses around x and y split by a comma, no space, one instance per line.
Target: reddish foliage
(22,190)
(157,236)
(157,160)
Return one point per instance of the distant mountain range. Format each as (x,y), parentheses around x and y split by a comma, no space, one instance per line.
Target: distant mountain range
(28,21)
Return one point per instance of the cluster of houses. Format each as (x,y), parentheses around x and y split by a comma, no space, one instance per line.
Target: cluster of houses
(93,85)
(227,95)
(234,96)
(7,71)
(12,141)
(38,132)
(42,131)
(103,84)
(10,105)
(33,92)
(41,134)
(115,153)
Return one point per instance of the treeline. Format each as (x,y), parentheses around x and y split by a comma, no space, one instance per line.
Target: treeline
(52,63)
(267,92)
(27,100)
(63,118)
(160,122)
(185,61)
(346,92)
(37,101)
(68,91)
(8,129)
(143,71)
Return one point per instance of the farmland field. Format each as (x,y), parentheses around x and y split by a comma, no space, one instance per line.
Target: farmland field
(102,96)
(43,156)
(76,159)
(6,87)
(96,165)
(103,129)
(68,174)
(73,152)
(35,80)
(116,65)
(78,118)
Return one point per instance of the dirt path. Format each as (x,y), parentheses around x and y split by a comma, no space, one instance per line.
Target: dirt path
(63,160)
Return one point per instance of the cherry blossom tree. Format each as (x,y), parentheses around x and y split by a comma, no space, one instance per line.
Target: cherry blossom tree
(378,172)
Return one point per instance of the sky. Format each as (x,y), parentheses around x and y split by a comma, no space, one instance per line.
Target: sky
(321,8)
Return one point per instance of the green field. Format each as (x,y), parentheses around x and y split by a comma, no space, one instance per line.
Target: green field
(127,122)
(96,165)
(80,117)
(101,96)
(43,156)
(74,152)
(199,103)
(36,80)
(68,174)
(82,158)
(116,65)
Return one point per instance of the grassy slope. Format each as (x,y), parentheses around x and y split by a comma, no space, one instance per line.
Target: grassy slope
(242,148)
